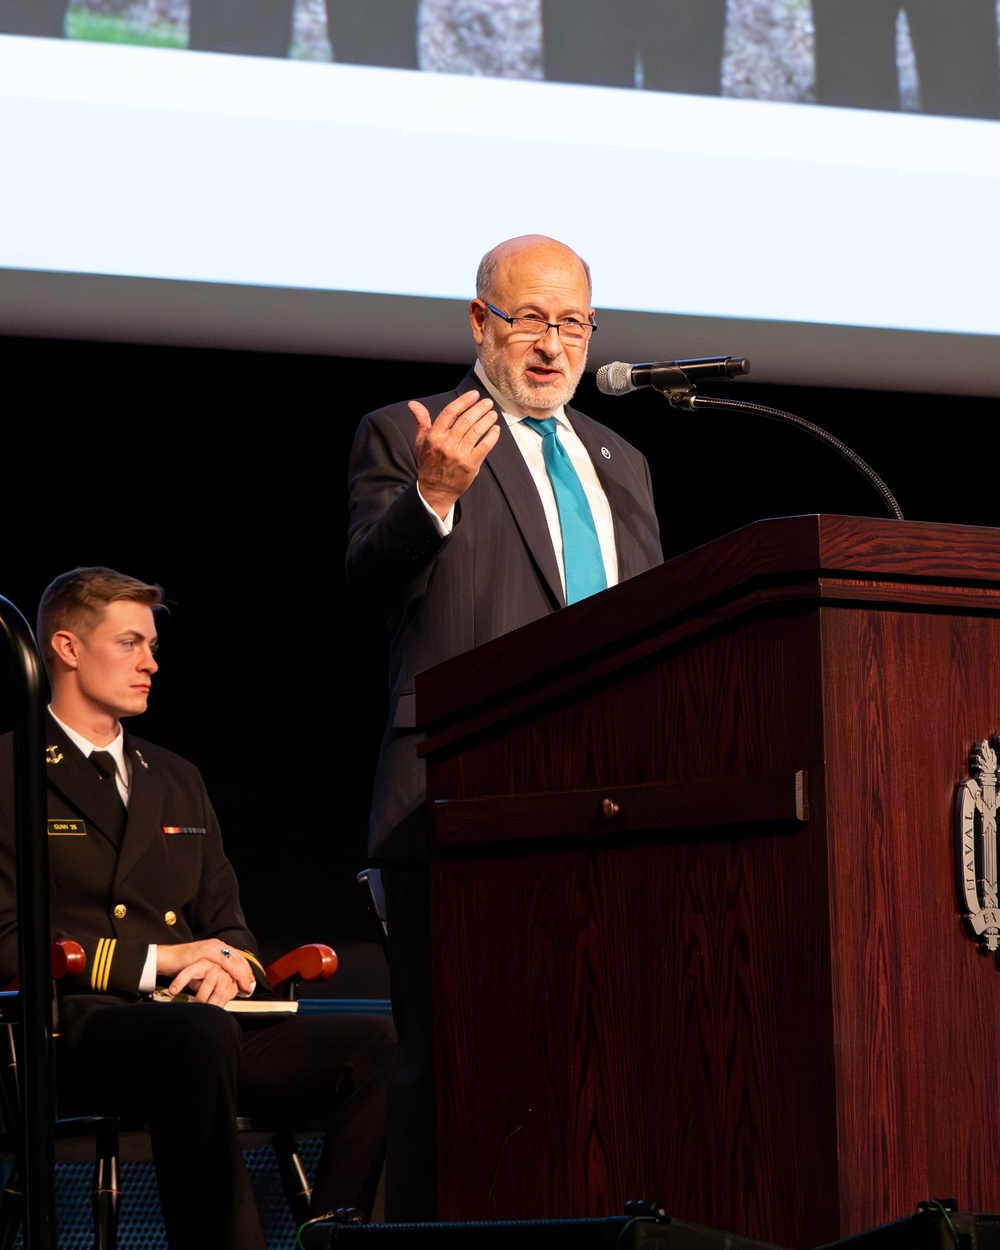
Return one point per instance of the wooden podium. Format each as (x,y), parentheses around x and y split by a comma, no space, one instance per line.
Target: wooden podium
(695,925)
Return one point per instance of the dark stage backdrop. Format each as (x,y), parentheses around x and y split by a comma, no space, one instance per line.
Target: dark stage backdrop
(222,476)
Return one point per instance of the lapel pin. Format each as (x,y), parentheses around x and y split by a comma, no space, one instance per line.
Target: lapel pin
(52,754)
(605,453)
(138,756)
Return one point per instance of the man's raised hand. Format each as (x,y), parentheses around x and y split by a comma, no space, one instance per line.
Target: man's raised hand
(452,448)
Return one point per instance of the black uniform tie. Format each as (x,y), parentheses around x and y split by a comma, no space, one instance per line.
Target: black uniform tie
(113,811)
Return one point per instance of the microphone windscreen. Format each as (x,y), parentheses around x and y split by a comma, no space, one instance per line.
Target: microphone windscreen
(615,378)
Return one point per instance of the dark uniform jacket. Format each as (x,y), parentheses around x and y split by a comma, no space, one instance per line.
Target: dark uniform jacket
(496,571)
(168,881)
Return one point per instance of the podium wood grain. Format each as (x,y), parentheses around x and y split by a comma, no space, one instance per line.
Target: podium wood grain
(775,1026)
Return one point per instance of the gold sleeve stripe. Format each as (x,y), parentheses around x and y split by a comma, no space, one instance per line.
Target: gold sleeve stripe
(100,973)
(254,960)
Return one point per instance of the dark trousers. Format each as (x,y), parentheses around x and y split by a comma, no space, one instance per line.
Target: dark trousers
(364,32)
(955,44)
(33,17)
(188,1069)
(250,27)
(367,33)
(680,43)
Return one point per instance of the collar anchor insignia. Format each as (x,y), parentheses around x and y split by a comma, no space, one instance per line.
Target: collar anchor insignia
(52,754)
(976,845)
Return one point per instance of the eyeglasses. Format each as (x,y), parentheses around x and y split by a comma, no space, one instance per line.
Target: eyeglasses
(570,330)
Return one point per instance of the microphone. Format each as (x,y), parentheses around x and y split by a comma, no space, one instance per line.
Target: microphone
(619,378)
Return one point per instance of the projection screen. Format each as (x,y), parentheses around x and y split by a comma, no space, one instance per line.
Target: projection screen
(302,204)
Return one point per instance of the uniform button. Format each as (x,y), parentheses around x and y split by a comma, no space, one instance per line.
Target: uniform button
(170,917)
(121,911)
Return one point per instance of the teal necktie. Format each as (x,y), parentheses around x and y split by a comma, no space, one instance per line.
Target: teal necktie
(582,560)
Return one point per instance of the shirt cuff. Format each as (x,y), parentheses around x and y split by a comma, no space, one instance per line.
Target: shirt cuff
(147,978)
(443,527)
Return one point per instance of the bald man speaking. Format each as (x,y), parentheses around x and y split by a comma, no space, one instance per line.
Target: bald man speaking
(472,513)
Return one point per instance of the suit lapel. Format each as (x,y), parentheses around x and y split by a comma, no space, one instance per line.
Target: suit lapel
(145,810)
(617,478)
(514,478)
(512,475)
(72,776)
(517,485)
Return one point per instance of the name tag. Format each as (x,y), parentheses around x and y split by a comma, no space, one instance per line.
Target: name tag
(67,829)
(183,829)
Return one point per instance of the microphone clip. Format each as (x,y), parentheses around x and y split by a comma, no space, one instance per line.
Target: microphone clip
(675,387)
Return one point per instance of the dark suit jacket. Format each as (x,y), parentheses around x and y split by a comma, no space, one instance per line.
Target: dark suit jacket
(169,882)
(495,572)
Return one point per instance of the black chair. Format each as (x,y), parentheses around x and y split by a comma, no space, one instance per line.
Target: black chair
(67,959)
(311,963)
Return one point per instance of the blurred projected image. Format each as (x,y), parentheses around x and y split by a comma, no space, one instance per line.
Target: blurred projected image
(939,57)
(366,32)
(931,56)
